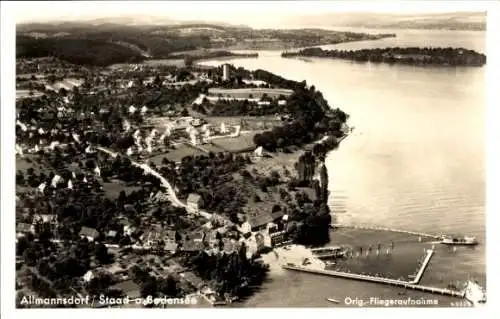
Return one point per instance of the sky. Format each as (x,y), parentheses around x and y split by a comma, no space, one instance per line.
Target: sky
(252,13)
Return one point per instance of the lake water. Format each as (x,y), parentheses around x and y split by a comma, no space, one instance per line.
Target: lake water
(415,161)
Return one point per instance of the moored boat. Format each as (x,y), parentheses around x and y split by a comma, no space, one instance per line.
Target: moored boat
(329,252)
(459,240)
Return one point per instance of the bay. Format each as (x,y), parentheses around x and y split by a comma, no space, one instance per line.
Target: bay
(415,161)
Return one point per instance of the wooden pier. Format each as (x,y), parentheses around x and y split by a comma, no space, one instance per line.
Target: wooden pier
(380,280)
(420,273)
(386,229)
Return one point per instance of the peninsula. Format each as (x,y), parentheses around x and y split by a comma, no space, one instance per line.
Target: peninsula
(189,57)
(159,181)
(411,56)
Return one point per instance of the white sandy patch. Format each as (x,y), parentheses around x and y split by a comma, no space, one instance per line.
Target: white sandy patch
(295,254)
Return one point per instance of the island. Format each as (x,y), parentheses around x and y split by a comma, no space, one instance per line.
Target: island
(411,56)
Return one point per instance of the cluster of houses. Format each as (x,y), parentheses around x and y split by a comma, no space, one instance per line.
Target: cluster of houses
(24,228)
(198,130)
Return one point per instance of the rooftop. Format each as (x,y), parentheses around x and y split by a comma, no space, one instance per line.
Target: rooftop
(89,232)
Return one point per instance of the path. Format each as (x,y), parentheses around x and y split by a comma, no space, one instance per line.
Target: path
(148,170)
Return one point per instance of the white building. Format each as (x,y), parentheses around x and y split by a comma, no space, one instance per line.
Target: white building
(259,151)
(226,74)
(223,129)
(89,275)
(246,227)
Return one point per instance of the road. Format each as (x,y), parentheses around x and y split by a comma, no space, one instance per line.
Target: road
(171,193)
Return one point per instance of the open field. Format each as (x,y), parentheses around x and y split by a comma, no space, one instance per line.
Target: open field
(113,189)
(279,162)
(152,62)
(176,155)
(212,148)
(172,62)
(250,92)
(68,84)
(242,143)
(24,163)
(246,122)
(22,94)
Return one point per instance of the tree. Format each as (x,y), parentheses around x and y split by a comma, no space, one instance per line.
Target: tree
(101,254)
(149,288)
(157,81)
(29,256)
(21,246)
(168,287)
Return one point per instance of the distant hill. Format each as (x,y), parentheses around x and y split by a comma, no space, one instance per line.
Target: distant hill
(447,21)
(77,51)
(103,42)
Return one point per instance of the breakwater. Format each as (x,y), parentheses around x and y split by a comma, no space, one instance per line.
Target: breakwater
(409,232)
(380,280)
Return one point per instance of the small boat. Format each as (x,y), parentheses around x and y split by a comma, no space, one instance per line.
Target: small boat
(329,252)
(332,300)
(455,240)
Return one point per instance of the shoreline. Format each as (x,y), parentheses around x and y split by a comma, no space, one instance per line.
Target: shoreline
(285,47)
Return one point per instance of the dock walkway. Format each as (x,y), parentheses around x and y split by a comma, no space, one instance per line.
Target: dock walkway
(388,281)
(386,229)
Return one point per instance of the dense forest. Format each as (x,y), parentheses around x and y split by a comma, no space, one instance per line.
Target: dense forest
(77,51)
(411,55)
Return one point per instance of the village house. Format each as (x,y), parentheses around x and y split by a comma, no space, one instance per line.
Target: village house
(45,218)
(229,245)
(277,238)
(246,227)
(128,229)
(197,236)
(169,236)
(23,228)
(190,246)
(111,234)
(171,247)
(152,237)
(263,239)
(90,233)
(160,197)
(89,275)
(211,238)
(259,221)
(194,202)
(259,240)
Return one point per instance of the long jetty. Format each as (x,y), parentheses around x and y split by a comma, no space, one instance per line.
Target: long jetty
(420,273)
(382,280)
(409,232)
